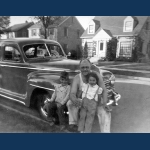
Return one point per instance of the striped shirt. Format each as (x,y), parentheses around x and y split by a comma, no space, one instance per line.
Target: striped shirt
(110,87)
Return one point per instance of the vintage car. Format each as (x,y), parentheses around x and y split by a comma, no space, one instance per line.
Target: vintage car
(30,68)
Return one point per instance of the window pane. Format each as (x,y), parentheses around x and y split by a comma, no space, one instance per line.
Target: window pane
(91,28)
(128,26)
(65,31)
(34,33)
(125,49)
(55,50)
(101,46)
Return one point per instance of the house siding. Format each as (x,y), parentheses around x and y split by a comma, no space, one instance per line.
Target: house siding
(72,39)
(21,33)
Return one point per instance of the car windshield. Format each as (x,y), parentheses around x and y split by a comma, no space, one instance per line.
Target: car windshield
(43,51)
(55,50)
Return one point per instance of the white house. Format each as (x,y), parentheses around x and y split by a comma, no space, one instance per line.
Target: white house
(125,28)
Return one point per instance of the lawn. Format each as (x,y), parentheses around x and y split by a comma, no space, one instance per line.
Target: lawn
(127,65)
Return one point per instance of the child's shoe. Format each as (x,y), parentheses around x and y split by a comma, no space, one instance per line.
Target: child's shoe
(117,97)
(115,104)
(110,102)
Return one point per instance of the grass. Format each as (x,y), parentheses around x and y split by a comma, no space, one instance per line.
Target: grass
(130,73)
(132,66)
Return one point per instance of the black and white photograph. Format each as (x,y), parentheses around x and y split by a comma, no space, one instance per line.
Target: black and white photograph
(75,74)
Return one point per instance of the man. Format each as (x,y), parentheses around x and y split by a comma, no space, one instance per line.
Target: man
(74,103)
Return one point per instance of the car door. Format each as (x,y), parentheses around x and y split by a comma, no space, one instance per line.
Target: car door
(14,72)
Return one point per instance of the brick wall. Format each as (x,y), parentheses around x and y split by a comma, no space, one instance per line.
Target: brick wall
(72,40)
(145,35)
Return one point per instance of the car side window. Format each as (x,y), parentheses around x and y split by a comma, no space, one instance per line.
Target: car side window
(11,54)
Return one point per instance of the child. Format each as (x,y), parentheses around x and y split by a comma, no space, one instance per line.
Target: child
(59,99)
(90,96)
(113,96)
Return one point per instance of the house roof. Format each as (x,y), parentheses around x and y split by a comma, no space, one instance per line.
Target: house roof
(59,22)
(115,25)
(18,27)
(37,25)
(108,32)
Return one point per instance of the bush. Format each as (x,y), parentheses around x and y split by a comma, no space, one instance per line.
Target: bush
(137,54)
(111,49)
(75,54)
(85,51)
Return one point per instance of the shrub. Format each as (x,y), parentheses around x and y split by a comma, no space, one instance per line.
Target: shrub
(76,54)
(137,54)
(111,49)
(85,51)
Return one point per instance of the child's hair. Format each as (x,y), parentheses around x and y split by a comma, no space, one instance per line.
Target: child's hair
(94,75)
(64,75)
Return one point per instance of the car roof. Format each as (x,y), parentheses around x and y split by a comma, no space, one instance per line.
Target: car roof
(28,40)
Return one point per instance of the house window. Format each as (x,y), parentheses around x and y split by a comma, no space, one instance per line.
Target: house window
(128,26)
(65,47)
(65,31)
(90,48)
(24,34)
(78,34)
(33,32)
(126,49)
(51,31)
(101,46)
(78,47)
(91,28)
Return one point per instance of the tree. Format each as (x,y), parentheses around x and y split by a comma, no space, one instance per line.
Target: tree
(111,49)
(4,22)
(85,50)
(137,53)
(47,21)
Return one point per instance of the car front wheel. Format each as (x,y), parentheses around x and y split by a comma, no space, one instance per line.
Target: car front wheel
(41,98)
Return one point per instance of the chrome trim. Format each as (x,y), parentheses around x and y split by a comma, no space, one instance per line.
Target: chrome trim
(12,93)
(12,99)
(31,68)
(42,87)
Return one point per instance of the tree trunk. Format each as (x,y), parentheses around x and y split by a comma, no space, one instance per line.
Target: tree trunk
(45,33)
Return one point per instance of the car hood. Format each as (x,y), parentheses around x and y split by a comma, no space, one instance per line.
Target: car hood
(57,64)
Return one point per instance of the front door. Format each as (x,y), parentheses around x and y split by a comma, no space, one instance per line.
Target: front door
(101,49)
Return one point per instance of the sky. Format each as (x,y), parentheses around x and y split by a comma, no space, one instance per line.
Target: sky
(84,20)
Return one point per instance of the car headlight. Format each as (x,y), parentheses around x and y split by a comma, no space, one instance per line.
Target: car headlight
(112,78)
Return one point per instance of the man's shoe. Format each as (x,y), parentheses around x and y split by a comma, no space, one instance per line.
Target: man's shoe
(72,128)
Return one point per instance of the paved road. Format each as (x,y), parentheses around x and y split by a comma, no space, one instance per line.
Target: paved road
(132,114)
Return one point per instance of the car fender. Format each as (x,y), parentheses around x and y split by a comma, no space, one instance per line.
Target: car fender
(42,80)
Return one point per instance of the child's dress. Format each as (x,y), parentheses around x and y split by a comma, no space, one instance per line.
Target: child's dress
(89,106)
